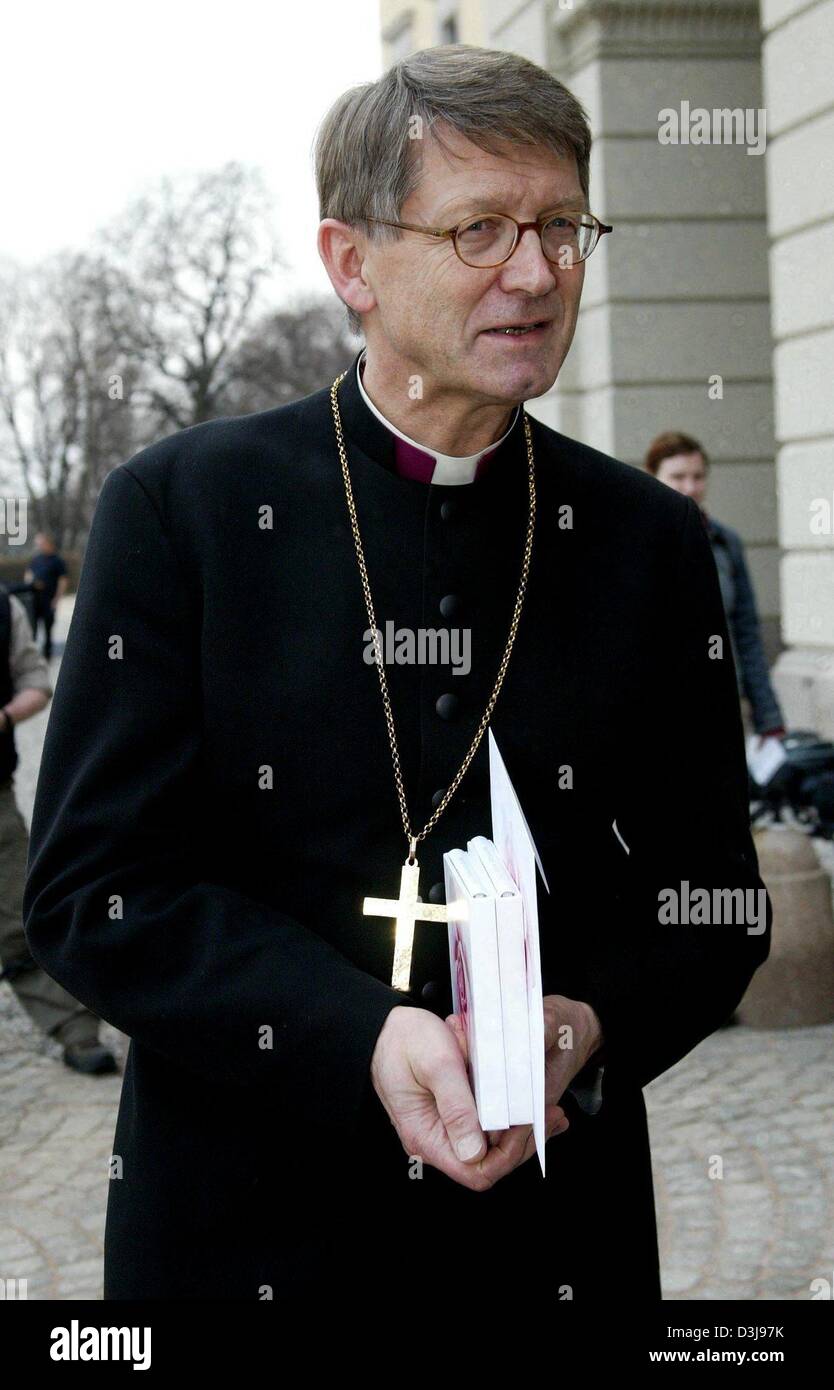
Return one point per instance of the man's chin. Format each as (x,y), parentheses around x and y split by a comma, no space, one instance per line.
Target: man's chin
(513,380)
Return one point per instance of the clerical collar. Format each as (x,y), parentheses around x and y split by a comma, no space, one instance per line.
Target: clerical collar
(413,460)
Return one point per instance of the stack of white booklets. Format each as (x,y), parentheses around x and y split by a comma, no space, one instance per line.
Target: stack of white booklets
(489,981)
(495,962)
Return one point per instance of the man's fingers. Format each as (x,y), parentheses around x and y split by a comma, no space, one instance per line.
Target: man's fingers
(512,1143)
(475,1159)
(507,1150)
(458,1113)
(454,1022)
(555,1121)
(448,1136)
(512,1148)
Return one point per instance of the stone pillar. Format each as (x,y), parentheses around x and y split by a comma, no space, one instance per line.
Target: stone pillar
(794,988)
(798,58)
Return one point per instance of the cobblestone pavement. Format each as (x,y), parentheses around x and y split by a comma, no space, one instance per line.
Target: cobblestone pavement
(761,1102)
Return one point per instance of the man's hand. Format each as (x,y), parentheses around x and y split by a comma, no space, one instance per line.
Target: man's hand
(419,1073)
(556,1121)
(572,1034)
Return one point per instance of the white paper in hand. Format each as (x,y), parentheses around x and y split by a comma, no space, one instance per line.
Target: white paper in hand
(511,837)
(764,757)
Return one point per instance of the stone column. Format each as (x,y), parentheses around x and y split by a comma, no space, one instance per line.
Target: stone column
(798,62)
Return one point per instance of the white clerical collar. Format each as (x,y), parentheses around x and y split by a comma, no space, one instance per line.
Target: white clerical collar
(448,470)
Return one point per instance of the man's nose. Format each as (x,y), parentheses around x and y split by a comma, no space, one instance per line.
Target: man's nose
(528,268)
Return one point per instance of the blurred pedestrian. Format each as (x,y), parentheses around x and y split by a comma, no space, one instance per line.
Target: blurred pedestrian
(25,690)
(680,461)
(48,575)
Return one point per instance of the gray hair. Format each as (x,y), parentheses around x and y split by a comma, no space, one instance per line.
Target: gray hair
(367,157)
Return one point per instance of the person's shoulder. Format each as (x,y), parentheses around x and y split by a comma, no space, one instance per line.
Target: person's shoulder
(19,621)
(216,445)
(607,481)
(725,533)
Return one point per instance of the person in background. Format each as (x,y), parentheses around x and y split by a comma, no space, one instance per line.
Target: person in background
(680,461)
(48,575)
(25,690)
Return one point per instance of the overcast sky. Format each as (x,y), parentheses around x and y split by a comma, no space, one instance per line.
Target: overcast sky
(97,99)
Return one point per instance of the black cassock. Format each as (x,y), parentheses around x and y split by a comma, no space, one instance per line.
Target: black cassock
(216,797)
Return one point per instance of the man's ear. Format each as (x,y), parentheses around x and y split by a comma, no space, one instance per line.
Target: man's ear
(343,258)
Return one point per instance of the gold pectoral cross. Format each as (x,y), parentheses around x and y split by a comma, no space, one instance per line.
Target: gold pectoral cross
(407,909)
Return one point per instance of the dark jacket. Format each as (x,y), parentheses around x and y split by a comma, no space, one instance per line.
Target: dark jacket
(742,616)
(216,797)
(8,747)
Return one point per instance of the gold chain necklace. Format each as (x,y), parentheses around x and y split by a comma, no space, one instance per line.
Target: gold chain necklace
(408,908)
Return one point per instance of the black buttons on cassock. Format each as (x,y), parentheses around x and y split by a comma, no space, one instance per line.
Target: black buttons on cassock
(449,510)
(431,991)
(437,893)
(450,605)
(447,706)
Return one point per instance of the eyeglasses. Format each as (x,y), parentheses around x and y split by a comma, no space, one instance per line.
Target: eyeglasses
(490,238)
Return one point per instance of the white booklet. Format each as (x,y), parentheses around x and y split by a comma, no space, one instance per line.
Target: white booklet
(496,964)
(514,843)
(764,757)
(476,983)
(512,965)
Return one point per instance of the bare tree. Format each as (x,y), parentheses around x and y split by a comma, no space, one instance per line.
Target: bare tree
(158,327)
(186,266)
(289,353)
(62,387)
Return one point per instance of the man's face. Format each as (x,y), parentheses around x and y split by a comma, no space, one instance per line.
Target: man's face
(686,473)
(433,311)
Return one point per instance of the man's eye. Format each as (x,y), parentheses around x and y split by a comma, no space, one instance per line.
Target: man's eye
(482,224)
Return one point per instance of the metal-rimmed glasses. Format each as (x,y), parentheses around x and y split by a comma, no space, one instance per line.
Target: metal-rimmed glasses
(490,238)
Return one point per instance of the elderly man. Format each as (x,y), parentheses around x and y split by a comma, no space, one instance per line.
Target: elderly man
(217,798)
